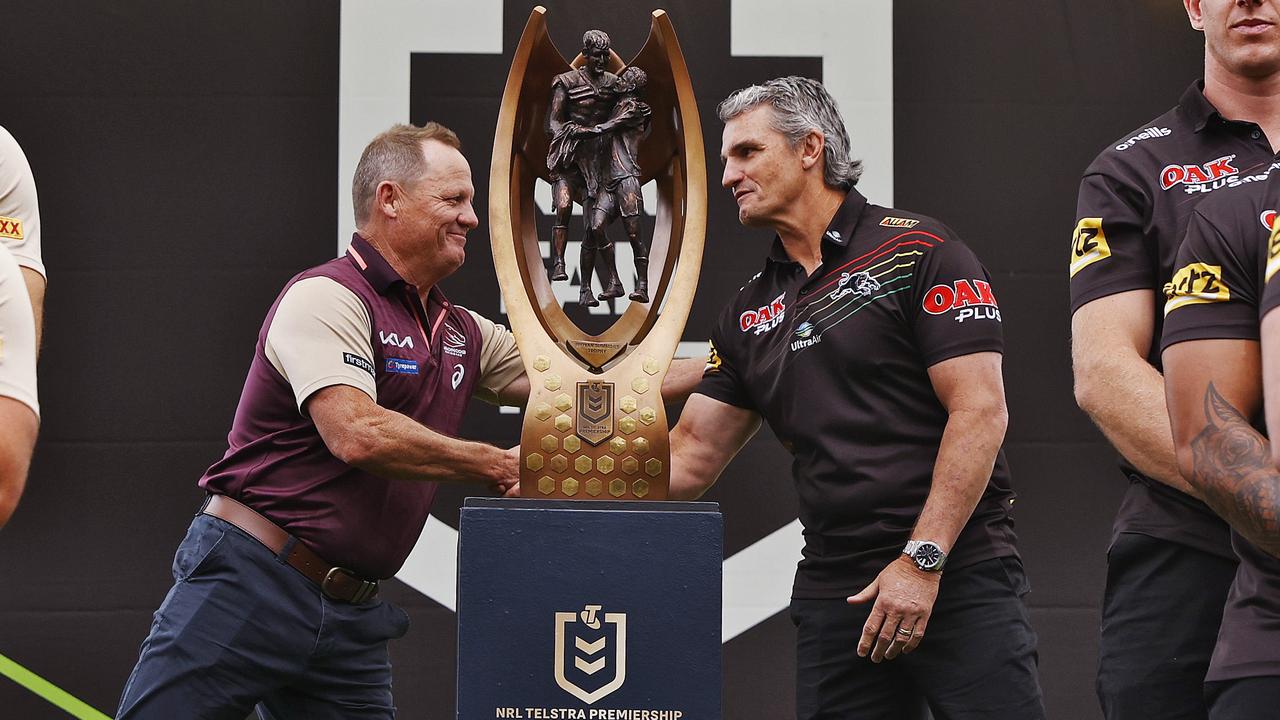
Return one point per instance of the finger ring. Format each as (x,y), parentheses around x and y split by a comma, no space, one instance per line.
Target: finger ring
(905,632)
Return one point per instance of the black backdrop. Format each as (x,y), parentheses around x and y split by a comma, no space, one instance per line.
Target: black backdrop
(186,159)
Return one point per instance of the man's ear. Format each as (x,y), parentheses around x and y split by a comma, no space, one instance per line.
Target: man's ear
(811,148)
(1194,14)
(385,198)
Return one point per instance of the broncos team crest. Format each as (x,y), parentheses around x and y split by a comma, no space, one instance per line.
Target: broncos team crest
(594,646)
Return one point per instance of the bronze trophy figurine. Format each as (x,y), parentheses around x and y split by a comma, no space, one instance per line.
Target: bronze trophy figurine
(597,129)
(596,121)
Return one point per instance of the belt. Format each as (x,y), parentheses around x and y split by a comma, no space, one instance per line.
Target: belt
(337,583)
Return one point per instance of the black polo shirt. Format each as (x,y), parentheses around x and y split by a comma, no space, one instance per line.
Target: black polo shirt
(836,362)
(1216,293)
(1134,204)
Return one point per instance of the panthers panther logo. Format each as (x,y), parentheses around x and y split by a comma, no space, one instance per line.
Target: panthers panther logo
(860,284)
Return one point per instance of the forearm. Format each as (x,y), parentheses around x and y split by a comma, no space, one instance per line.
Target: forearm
(682,377)
(961,472)
(707,437)
(1230,463)
(1125,399)
(392,445)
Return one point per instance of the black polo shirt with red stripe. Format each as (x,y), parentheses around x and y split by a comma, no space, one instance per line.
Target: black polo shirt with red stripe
(836,362)
(1134,204)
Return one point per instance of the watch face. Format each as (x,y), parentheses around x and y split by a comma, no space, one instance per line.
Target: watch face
(928,556)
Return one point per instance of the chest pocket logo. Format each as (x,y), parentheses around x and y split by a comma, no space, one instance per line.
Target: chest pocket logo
(458,373)
(1088,244)
(1194,284)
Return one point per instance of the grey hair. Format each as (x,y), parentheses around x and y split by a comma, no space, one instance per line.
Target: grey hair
(595,40)
(394,155)
(799,106)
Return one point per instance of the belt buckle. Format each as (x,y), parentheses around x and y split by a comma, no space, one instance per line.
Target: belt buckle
(365,591)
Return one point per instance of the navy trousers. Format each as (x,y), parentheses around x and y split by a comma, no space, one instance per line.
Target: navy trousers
(977,660)
(241,628)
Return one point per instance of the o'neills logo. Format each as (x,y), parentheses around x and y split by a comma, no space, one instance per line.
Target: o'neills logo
(594,646)
(1211,171)
(763,319)
(1268,219)
(1147,134)
(973,299)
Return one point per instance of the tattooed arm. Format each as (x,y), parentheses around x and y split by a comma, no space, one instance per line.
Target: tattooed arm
(1213,387)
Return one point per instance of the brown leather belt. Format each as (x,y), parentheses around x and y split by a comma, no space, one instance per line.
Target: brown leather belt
(338,583)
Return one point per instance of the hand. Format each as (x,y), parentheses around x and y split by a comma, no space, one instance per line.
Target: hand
(904,596)
(508,473)
(581,132)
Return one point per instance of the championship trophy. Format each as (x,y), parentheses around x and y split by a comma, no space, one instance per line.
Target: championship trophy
(596,129)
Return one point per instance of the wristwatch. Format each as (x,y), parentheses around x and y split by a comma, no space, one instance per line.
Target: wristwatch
(926,555)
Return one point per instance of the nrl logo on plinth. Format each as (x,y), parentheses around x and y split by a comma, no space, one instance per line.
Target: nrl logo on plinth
(592,644)
(596,129)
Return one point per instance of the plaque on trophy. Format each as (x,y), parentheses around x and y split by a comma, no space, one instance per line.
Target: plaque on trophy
(596,130)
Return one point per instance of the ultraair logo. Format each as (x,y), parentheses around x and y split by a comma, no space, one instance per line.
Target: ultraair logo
(805,336)
(594,644)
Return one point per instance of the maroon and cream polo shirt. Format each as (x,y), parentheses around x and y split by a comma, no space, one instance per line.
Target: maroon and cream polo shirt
(354,321)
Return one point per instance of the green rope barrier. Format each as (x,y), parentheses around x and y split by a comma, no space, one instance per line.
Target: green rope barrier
(48,691)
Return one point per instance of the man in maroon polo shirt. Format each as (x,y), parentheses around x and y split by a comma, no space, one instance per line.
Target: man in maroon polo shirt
(359,381)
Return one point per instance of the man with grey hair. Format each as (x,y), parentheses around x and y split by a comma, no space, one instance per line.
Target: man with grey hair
(871,343)
(348,420)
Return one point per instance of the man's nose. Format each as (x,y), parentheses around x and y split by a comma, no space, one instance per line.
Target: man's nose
(468,218)
(731,175)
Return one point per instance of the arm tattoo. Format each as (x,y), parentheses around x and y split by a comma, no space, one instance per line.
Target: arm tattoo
(1232,467)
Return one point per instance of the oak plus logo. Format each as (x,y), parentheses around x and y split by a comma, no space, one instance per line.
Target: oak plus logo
(1201,178)
(764,318)
(970,299)
(595,641)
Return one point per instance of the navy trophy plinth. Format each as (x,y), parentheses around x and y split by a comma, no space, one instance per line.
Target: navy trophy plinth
(589,609)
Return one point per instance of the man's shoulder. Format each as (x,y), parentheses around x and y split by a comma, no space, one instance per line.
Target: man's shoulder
(569,80)
(895,225)
(1150,146)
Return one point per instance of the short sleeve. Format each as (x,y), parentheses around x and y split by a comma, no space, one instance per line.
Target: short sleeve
(17,336)
(1109,251)
(19,206)
(1213,293)
(953,309)
(500,362)
(320,336)
(1271,275)
(721,378)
